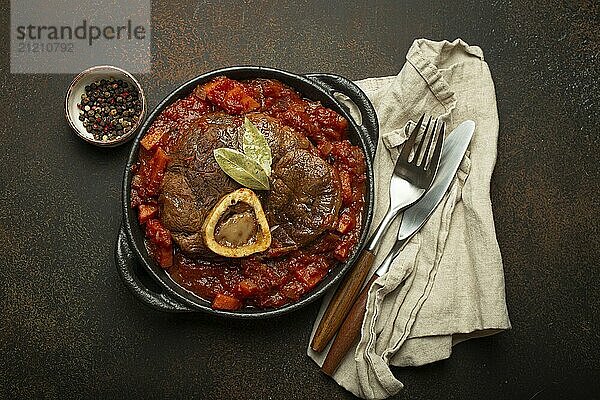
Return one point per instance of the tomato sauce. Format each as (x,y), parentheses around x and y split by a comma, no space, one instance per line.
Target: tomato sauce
(267,280)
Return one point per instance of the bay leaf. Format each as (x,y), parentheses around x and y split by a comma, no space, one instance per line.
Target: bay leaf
(256,147)
(241,168)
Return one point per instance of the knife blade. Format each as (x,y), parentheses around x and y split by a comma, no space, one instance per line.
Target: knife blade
(455,147)
(415,217)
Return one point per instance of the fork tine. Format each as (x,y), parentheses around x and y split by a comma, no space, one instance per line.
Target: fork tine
(437,151)
(421,157)
(410,142)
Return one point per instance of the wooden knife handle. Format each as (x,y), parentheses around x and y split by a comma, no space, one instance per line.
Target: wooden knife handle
(342,301)
(348,332)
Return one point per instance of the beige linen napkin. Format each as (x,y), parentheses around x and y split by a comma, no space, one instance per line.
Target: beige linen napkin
(447,285)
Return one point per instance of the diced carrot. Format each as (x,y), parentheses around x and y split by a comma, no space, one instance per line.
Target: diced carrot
(153,136)
(249,103)
(225,302)
(145,212)
(346,222)
(346,187)
(237,101)
(160,159)
(158,164)
(247,288)
(208,88)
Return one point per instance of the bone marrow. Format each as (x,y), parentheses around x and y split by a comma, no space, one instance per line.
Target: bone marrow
(237,226)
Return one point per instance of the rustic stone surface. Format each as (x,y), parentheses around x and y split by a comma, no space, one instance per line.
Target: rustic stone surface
(70,329)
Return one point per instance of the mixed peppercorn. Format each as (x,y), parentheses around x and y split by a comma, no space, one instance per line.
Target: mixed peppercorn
(109,108)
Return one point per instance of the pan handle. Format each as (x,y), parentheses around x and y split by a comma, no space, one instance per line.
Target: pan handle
(369,124)
(127,266)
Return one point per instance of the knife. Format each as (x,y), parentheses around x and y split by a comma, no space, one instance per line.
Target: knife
(455,146)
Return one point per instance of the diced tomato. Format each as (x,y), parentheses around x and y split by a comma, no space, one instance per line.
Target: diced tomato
(342,251)
(346,187)
(311,118)
(229,95)
(293,290)
(276,89)
(164,256)
(330,119)
(310,270)
(225,302)
(236,101)
(272,300)
(261,274)
(324,147)
(309,276)
(145,212)
(342,151)
(346,222)
(187,108)
(157,233)
(216,89)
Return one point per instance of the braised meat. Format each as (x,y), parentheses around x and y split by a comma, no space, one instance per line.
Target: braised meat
(304,199)
(194,182)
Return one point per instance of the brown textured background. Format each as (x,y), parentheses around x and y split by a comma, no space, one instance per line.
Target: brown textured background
(70,329)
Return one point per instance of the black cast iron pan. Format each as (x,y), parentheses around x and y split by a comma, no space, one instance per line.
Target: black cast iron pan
(151,284)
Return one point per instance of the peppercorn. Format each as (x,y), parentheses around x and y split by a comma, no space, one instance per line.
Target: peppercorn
(109,108)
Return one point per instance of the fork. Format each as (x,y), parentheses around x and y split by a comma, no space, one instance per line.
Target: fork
(411,178)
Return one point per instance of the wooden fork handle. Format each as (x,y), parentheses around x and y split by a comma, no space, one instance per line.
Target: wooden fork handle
(342,301)
(348,332)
